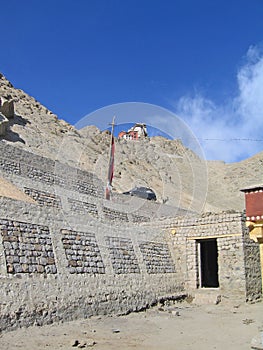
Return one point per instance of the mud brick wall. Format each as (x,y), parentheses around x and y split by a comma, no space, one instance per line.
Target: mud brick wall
(157,257)
(44,198)
(27,248)
(122,255)
(82,252)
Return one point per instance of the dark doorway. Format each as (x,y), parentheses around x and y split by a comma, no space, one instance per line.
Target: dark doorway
(209,264)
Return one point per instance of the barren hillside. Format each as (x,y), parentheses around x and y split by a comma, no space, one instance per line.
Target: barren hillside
(175,173)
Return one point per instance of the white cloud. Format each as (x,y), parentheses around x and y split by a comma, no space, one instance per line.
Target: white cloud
(239,118)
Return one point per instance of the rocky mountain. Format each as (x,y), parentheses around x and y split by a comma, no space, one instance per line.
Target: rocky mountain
(174,172)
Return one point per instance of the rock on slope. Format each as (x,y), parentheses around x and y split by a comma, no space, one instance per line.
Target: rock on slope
(176,174)
(34,126)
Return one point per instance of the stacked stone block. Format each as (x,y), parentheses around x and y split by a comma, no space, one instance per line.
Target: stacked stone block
(122,255)
(9,166)
(157,257)
(44,198)
(81,207)
(82,252)
(139,218)
(252,272)
(44,176)
(27,248)
(84,187)
(115,215)
(104,272)
(192,263)
(47,171)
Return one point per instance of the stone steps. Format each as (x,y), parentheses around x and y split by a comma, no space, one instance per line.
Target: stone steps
(206,296)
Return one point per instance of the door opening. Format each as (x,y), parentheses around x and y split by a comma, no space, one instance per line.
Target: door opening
(208,263)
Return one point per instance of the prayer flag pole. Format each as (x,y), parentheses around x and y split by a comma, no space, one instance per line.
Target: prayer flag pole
(111,162)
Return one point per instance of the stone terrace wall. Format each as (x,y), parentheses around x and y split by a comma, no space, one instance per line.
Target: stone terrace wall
(55,268)
(74,254)
(17,161)
(91,253)
(51,183)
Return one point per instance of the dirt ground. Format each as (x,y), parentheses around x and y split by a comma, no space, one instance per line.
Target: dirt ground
(7,189)
(179,326)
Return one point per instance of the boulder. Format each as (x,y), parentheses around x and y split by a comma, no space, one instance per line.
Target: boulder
(3,124)
(7,108)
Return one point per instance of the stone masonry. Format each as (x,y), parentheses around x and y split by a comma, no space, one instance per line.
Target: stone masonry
(82,252)
(27,248)
(238,256)
(44,198)
(157,257)
(72,254)
(122,255)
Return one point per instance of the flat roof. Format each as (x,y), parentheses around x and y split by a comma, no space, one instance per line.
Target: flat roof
(252,188)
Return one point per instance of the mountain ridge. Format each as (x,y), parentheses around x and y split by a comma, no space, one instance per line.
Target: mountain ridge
(174,172)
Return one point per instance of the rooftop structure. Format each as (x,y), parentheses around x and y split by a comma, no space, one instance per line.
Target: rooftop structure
(137,132)
(254,202)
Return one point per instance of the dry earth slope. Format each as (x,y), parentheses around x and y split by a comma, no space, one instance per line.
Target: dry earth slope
(176,174)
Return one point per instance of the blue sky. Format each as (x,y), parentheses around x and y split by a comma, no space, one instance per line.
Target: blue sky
(203,60)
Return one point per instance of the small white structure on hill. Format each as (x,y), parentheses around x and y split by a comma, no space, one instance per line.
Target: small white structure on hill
(138,131)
